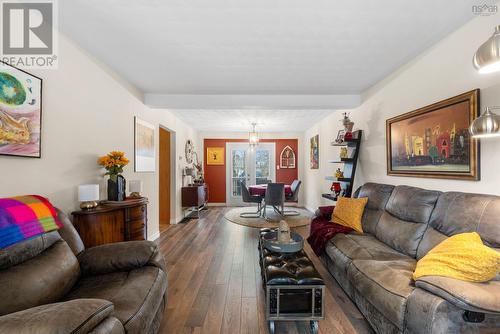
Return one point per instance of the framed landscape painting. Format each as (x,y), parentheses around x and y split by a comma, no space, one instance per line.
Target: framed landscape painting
(144,155)
(314,152)
(434,141)
(20,112)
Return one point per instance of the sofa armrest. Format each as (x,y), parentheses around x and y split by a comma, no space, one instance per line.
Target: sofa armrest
(469,296)
(121,256)
(74,316)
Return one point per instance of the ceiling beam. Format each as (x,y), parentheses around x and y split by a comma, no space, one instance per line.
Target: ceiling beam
(285,102)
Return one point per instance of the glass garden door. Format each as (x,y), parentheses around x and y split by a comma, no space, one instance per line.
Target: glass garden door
(249,166)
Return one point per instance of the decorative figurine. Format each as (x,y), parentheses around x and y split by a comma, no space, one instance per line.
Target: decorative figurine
(339,173)
(284,232)
(348,125)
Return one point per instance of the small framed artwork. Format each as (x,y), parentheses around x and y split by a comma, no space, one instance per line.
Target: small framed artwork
(144,146)
(434,141)
(20,112)
(314,154)
(215,155)
(340,136)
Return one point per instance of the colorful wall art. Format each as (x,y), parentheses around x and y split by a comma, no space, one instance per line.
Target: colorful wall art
(144,155)
(20,112)
(434,141)
(314,152)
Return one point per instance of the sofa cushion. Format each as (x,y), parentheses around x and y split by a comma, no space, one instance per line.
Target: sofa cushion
(404,222)
(44,278)
(363,247)
(458,212)
(385,284)
(378,195)
(136,294)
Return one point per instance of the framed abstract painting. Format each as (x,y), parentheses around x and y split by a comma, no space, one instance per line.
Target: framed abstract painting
(144,148)
(20,112)
(314,154)
(434,141)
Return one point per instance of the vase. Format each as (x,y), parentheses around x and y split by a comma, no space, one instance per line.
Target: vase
(116,188)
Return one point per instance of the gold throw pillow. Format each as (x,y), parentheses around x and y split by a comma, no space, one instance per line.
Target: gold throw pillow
(349,211)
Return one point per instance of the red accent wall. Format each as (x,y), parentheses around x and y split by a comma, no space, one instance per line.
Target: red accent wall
(215,176)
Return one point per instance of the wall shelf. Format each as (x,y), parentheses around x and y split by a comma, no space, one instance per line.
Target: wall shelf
(349,163)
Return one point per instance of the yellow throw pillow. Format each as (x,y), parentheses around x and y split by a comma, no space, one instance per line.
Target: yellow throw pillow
(462,256)
(349,211)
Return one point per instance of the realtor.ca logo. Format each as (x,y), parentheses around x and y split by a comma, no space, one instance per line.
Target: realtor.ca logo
(484,10)
(29,33)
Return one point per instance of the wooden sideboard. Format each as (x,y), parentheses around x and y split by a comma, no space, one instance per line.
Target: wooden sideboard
(113,222)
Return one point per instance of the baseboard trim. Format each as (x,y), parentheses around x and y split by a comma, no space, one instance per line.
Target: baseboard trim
(155,236)
(216,204)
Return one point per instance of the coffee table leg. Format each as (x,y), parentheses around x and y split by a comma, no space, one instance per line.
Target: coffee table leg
(314,327)
(272,328)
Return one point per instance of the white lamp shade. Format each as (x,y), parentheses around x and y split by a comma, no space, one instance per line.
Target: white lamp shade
(88,192)
(135,186)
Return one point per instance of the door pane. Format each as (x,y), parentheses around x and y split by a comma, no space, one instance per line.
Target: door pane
(239,171)
(262,166)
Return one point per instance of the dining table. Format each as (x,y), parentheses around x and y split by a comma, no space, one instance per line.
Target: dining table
(260,190)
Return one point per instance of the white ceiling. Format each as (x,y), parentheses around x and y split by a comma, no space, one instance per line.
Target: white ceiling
(258,46)
(241,120)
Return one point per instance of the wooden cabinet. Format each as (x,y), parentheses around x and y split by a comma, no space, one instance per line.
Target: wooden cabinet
(115,222)
(194,196)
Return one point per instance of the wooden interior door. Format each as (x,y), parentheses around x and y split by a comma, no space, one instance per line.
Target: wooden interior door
(165,178)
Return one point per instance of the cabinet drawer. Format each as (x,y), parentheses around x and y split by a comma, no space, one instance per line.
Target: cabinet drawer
(137,229)
(137,212)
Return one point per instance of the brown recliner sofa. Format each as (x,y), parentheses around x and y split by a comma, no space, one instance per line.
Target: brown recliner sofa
(401,225)
(52,284)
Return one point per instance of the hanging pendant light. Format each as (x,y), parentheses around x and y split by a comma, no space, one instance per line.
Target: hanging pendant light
(486,125)
(253,137)
(487,57)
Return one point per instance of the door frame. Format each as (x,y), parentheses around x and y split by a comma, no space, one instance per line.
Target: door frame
(173,173)
(250,163)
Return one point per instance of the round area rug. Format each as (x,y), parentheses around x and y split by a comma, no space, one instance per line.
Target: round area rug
(272,220)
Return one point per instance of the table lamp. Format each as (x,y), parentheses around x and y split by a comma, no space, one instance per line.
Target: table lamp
(88,195)
(135,187)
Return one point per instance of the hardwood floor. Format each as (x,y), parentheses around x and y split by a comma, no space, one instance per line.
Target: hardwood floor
(215,285)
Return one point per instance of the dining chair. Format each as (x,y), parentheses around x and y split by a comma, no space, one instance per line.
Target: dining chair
(293,197)
(275,197)
(248,198)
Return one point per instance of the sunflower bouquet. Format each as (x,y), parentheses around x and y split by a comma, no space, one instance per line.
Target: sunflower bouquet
(113,162)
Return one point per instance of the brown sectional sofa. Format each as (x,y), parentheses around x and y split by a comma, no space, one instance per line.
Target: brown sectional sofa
(52,284)
(401,225)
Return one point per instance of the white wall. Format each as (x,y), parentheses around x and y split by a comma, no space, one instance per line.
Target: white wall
(443,71)
(88,111)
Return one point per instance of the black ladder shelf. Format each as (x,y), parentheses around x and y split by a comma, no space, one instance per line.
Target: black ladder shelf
(350,164)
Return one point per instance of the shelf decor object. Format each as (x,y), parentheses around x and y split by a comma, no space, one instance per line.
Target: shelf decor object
(135,188)
(352,145)
(487,57)
(434,141)
(114,162)
(88,195)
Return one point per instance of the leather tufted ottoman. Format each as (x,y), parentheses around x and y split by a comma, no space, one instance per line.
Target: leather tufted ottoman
(294,289)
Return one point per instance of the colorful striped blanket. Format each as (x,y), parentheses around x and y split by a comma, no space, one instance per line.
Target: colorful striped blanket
(24,217)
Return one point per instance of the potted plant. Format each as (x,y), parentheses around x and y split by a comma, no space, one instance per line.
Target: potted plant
(114,162)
